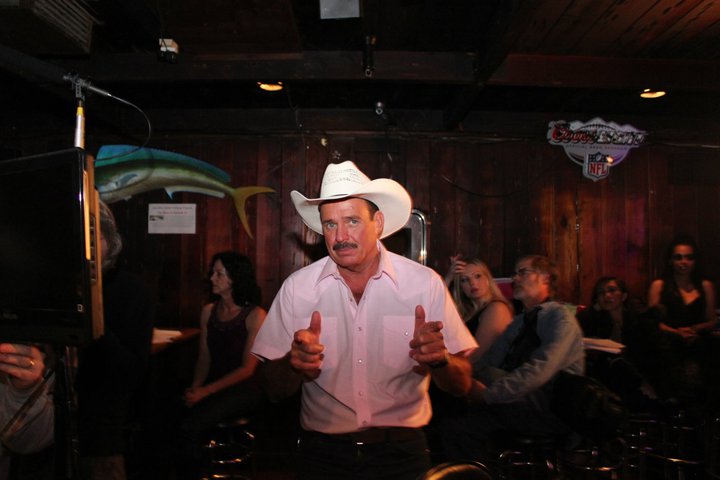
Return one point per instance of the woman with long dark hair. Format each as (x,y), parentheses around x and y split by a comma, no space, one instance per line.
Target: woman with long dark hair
(224,383)
(687,299)
(606,315)
(683,301)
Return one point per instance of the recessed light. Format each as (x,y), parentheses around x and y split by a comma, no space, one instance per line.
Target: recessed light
(270,86)
(652,93)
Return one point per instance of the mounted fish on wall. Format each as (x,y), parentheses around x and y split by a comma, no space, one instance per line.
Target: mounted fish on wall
(122,171)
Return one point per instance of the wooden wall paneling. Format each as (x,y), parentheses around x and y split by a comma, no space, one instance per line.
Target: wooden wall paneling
(382,155)
(469,206)
(216,216)
(337,149)
(615,240)
(635,258)
(292,254)
(686,210)
(267,222)
(317,159)
(564,230)
(417,161)
(442,205)
(542,200)
(492,179)
(372,164)
(592,214)
(396,162)
(542,168)
(515,181)
(660,208)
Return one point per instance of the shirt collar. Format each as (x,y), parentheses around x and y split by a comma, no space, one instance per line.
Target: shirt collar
(385,266)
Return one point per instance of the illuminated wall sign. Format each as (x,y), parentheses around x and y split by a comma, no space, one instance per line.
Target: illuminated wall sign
(596,145)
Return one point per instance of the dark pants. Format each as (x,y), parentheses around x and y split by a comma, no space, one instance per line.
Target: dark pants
(227,404)
(375,454)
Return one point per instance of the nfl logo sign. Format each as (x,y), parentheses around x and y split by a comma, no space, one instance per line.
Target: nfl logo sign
(597,145)
(596,166)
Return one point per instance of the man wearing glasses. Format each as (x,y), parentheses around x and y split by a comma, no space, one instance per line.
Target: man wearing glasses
(512,386)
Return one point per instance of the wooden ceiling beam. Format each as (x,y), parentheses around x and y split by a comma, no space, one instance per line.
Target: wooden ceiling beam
(426,67)
(519,70)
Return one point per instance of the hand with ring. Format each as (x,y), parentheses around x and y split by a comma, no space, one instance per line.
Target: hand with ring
(23,364)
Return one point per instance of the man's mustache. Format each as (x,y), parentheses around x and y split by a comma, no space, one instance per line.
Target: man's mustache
(341,245)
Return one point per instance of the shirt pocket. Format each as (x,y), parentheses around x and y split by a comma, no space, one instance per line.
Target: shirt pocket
(398,331)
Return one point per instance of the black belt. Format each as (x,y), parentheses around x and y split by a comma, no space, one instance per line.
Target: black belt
(370,435)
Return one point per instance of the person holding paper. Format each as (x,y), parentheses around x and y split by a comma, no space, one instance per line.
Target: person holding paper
(361,333)
(609,317)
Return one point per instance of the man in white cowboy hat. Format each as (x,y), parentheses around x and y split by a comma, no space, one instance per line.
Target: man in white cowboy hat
(362,331)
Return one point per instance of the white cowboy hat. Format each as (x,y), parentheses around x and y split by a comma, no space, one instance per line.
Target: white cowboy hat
(344,180)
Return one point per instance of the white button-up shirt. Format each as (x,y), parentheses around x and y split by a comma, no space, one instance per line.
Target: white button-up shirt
(367,378)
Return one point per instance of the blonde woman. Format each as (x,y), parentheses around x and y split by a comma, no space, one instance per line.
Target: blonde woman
(485,310)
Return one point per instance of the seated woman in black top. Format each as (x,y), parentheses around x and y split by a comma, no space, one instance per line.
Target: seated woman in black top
(610,317)
(606,317)
(224,385)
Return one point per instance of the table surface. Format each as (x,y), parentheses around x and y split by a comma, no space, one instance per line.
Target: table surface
(186,334)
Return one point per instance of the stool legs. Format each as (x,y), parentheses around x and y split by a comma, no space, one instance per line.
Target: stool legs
(229,451)
(529,459)
(668,449)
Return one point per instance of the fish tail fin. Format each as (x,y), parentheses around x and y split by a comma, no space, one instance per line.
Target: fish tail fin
(240,196)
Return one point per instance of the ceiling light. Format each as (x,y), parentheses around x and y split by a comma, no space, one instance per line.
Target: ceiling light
(270,86)
(651,93)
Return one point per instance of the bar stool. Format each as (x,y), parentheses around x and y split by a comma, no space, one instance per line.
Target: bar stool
(229,451)
(678,453)
(712,467)
(642,438)
(457,470)
(591,460)
(529,457)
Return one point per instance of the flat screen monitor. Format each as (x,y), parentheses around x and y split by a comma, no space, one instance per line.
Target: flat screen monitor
(49,283)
